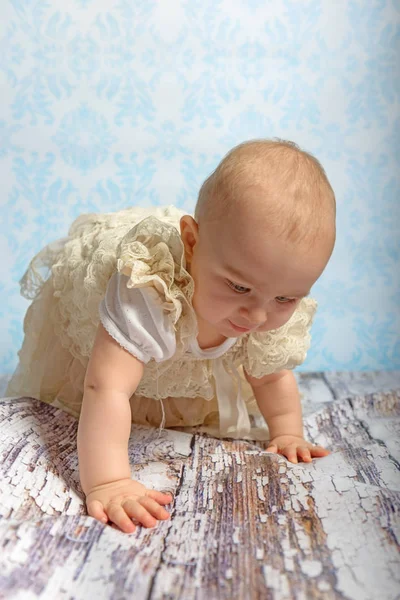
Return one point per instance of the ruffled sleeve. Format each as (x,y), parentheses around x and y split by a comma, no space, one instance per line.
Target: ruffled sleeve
(152,255)
(283,348)
(136,320)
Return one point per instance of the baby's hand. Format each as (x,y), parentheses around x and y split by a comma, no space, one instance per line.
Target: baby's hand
(124,500)
(295,448)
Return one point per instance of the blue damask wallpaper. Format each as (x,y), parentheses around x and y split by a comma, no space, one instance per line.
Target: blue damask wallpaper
(109,103)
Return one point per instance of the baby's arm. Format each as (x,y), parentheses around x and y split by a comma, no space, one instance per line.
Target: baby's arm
(278,399)
(104,428)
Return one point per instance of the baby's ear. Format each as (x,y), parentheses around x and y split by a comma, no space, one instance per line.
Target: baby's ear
(189,234)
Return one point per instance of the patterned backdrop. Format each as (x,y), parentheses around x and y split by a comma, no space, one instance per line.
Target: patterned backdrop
(105,104)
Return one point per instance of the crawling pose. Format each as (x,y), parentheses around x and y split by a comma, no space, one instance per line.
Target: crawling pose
(156,317)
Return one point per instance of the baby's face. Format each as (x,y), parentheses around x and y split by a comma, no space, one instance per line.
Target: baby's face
(248,280)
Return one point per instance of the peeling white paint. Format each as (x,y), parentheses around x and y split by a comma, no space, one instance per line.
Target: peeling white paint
(236,534)
(311,568)
(327,527)
(274,580)
(259,553)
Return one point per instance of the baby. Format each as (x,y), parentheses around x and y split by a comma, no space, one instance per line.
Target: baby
(170,319)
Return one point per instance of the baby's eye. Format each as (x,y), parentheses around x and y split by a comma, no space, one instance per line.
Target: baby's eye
(284,300)
(238,288)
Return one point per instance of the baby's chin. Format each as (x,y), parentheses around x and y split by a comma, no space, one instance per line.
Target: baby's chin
(227,330)
(231,332)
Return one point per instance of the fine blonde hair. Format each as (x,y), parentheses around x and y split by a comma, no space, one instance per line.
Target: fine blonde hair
(290,184)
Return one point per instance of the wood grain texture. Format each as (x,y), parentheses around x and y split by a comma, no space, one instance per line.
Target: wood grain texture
(245,524)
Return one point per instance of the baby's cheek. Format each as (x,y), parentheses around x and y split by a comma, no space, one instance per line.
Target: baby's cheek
(214,304)
(205,303)
(217,308)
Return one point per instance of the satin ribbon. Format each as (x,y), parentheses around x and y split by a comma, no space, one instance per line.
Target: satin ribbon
(233,416)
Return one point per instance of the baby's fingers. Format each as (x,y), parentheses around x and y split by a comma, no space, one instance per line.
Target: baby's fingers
(95,509)
(117,515)
(154,508)
(290,452)
(160,497)
(318,451)
(304,453)
(141,511)
(272,448)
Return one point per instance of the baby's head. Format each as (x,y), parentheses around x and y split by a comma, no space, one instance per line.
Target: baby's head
(263,232)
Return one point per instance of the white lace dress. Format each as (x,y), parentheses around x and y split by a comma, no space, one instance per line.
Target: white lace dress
(127,269)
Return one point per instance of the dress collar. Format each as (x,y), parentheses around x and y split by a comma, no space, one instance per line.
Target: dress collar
(214,352)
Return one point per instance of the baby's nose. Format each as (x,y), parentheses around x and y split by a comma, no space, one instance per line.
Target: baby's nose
(255,317)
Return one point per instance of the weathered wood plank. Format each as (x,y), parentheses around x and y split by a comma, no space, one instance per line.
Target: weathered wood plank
(47,545)
(355,383)
(245,524)
(250,525)
(314,388)
(314,392)
(40,464)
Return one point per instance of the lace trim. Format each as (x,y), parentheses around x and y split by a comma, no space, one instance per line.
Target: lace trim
(282,348)
(178,378)
(152,254)
(90,256)
(39,269)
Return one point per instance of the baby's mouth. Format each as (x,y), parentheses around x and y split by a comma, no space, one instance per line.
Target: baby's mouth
(240,329)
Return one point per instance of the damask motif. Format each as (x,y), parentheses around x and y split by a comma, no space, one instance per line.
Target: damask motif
(109,104)
(335,141)
(84,138)
(84,56)
(6,144)
(249,123)
(392,141)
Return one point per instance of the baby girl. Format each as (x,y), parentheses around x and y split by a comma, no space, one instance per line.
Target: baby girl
(159,318)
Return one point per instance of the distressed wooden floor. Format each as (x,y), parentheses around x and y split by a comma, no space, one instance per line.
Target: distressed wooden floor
(244,524)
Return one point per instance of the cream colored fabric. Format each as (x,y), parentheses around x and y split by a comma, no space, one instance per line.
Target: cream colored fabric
(286,347)
(67,281)
(134,317)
